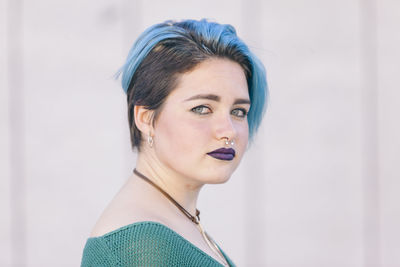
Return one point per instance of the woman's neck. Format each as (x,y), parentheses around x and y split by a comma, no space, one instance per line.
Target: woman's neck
(182,189)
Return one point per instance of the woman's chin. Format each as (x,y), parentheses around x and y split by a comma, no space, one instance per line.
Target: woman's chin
(221,179)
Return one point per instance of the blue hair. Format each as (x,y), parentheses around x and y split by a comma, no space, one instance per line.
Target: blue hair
(205,40)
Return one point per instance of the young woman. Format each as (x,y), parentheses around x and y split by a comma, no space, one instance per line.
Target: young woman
(196,94)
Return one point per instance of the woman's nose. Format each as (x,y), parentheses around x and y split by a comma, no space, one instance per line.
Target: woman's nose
(225,128)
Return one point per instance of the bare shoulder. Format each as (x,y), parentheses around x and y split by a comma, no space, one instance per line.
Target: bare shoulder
(110,220)
(128,206)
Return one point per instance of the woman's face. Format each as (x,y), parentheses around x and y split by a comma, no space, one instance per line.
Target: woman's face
(208,106)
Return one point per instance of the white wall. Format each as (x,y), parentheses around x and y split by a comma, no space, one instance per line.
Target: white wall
(320,185)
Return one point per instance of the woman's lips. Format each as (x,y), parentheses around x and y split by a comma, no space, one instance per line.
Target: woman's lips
(223,153)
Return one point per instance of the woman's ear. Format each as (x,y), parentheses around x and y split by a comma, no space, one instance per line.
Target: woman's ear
(144,119)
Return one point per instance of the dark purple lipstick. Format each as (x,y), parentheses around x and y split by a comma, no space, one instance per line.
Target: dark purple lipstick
(223,153)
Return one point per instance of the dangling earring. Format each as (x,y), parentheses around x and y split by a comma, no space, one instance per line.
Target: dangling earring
(150,141)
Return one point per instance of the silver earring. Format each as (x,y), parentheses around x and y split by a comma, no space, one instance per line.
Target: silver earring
(150,140)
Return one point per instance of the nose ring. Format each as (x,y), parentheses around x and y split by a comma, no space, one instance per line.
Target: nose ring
(227,142)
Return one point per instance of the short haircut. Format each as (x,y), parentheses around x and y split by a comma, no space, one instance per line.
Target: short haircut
(166,50)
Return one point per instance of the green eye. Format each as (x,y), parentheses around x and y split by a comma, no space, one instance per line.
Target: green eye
(202,110)
(239,112)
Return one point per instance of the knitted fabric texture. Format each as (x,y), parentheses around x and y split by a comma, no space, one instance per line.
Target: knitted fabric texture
(145,244)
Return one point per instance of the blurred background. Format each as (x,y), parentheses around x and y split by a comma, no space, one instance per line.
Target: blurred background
(318,187)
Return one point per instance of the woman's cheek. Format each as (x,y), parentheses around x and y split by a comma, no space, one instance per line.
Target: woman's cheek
(184,133)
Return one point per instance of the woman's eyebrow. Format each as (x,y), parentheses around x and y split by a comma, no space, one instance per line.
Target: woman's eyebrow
(206,96)
(218,98)
(242,101)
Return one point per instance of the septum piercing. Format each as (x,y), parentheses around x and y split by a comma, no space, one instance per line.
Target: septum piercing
(227,142)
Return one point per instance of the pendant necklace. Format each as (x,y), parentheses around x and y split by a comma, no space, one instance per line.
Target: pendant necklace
(195,219)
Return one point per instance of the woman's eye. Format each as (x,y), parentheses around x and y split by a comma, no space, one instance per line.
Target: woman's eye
(201,110)
(239,112)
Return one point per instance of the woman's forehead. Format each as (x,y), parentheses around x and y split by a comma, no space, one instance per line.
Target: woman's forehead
(215,78)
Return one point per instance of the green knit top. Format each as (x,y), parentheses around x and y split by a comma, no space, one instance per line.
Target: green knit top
(145,244)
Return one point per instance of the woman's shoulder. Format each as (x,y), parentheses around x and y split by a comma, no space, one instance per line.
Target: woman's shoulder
(137,232)
(144,243)
(117,217)
(127,207)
